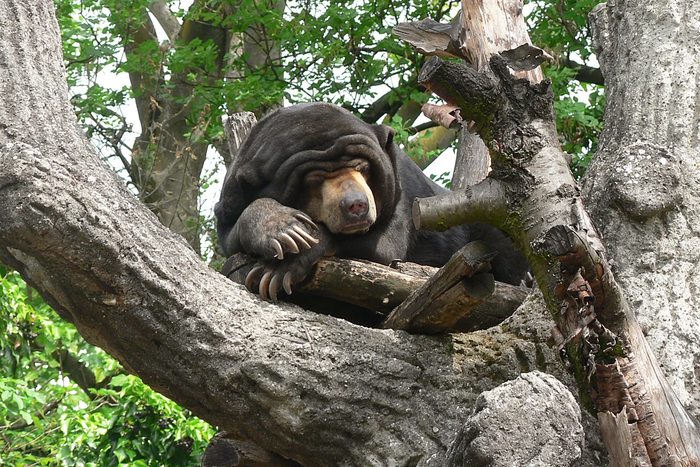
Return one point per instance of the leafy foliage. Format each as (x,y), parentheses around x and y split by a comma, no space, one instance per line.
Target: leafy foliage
(311,51)
(65,402)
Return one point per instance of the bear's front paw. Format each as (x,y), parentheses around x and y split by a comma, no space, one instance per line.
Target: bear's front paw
(269,230)
(267,277)
(293,236)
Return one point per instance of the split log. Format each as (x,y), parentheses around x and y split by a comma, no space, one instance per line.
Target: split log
(442,300)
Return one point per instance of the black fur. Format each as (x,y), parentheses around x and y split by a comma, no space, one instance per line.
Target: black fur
(261,192)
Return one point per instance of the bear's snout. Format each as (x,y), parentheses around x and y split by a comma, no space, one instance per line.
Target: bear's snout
(354,205)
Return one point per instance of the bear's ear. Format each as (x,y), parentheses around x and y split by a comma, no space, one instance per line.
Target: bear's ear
(385,135)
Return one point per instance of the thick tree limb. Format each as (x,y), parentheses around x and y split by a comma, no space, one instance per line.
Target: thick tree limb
(479,203)
(262,372)
(584,73)
(641,188)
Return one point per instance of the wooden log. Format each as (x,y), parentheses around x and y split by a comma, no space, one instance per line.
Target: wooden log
(433,313)
(504,300)
(431,308)
(379,289)
(362,283)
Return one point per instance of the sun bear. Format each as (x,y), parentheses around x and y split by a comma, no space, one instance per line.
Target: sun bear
(313,180)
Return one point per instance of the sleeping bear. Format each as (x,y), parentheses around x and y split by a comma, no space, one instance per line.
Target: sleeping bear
(313,180)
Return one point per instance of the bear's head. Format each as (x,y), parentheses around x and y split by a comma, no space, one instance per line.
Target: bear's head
(321,159)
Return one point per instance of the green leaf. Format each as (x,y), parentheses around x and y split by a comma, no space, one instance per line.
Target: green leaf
(26,416)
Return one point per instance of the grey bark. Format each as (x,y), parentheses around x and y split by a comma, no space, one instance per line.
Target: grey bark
(314,389)
(642,186)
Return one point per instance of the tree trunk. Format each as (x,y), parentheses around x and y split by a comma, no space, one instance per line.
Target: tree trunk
(642,185)
(169,154)
(520,133)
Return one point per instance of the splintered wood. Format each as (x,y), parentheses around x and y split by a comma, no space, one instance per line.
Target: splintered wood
(444,298)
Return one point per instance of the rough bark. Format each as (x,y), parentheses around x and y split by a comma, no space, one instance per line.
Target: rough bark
(642,186)
(484,28)
(482,39)
(311,388)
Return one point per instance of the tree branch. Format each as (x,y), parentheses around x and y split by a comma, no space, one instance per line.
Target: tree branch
(546,218)
(476,94)
(389,103)
(478,203)
(584,73)
(429,309)
(21,424)
(378,290)
(165,18)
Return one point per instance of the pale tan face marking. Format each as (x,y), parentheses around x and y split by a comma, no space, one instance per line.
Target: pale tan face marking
(324,191)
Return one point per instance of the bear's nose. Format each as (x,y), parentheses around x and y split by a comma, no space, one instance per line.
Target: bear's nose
(355,204)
